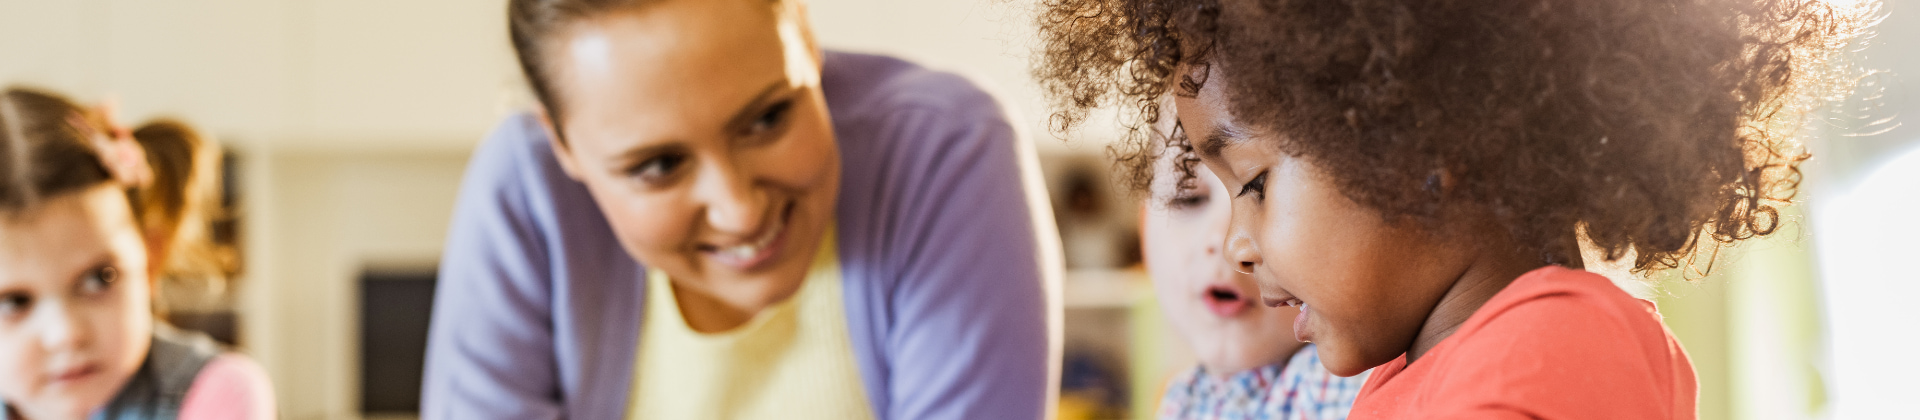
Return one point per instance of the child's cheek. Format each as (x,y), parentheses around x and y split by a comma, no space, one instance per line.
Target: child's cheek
(130,329)
(19,358)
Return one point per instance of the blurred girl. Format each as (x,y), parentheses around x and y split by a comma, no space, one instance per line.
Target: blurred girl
(86,226)
(1251,366)
(710,217)
(1412,175)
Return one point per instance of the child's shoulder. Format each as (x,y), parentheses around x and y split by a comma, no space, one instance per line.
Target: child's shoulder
(1567,341)
(230,386)
(1555,300)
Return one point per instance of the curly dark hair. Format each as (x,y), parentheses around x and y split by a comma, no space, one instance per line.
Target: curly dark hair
(1654,125)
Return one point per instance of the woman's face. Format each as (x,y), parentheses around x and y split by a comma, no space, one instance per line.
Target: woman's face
(1365,286)
(75,320)
(1216,309)
(700,130)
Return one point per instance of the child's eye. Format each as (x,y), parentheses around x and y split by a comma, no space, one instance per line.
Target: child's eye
(658,169)
(99,280)
(1258,185)
(1187,202)
(15,304)
(1187,198)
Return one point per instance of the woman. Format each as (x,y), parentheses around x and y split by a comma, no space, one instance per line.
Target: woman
(711,218)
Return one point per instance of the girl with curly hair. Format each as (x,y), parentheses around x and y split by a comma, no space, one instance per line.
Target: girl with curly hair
(1249,366)
(1417,177)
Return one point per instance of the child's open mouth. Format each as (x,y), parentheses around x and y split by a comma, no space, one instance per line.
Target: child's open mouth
(1224,301)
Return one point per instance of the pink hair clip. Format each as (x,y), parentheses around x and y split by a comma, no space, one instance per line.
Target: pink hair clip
(123,157)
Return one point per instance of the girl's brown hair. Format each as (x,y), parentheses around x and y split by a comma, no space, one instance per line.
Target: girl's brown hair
(46,143)
(1658,126)
(182,202)
(47,147)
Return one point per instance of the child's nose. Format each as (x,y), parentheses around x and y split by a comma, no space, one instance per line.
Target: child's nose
(64,329)
(1217,228)
(1243,253)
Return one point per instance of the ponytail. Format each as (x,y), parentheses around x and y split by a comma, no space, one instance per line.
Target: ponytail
(178,206)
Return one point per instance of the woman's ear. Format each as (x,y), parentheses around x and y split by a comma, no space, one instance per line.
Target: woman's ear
(560,151)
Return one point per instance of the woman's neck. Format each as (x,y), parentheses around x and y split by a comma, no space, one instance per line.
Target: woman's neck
(706,314)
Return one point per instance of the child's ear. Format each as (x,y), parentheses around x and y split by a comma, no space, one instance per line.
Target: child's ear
(560,151)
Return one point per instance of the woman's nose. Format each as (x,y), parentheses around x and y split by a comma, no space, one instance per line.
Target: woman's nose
(733,204)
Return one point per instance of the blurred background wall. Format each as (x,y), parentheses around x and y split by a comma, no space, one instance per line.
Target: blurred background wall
(351,120)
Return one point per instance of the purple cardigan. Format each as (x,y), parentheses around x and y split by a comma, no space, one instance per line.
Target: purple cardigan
(538,309)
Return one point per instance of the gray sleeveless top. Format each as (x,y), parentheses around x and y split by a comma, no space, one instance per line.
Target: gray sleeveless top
(160,385)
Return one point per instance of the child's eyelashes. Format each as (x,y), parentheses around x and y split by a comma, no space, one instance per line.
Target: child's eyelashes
(13,304)
(1257,185)
(99,280)
(1187,199)
(95,281)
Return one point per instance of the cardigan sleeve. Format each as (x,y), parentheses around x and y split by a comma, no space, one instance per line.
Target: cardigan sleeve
(490,349)
(975,331)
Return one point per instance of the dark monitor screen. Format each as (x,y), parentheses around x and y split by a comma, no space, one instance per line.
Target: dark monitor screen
(394,311)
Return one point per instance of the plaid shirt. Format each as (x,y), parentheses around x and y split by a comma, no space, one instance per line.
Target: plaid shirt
(1302,390)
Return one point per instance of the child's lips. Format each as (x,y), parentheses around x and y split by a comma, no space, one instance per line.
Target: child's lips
(1300,330)
(1224,301)
(74,374)
(1282,300)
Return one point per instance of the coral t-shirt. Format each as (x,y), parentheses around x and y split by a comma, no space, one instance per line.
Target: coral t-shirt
(1557,343)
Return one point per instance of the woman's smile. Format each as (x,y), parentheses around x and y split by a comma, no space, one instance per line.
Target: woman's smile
(761,252)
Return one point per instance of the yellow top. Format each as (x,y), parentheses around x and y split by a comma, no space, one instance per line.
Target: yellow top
(793,360)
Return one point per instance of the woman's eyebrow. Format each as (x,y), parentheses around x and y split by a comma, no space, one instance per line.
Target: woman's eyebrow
(750,111)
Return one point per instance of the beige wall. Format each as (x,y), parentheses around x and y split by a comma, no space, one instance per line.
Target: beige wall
(276,72)
(336,214)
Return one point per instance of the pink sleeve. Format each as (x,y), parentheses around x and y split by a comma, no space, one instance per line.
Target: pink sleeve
(230,387)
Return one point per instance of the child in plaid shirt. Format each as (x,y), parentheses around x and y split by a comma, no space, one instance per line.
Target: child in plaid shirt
(1251,366)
